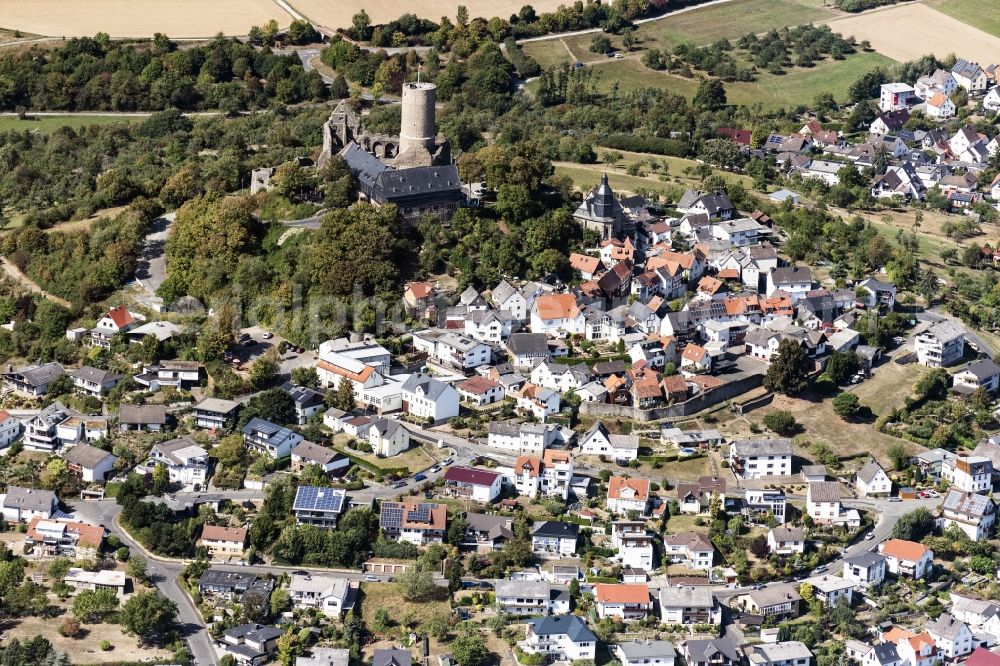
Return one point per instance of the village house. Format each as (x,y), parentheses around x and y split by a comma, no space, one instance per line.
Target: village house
(710,652)
(538,401)
(94,381)
(784,653)
(487,532)
(452,349)
(251,644)
(696,497)
(823,501)
(10,429)
(61,537)
(269,439)
(117,320)
(970,474)
(777,600)
(554,538)
(715,205)
(419,523)
(480,391)
(791,280)
(973,514)
(969,75)
(940,345)
(599,442)
(387,437)
(477,485)
(762,505)
(895,96)
(913,649)
(786,540)
(305,402)
(179,375)
(429,398)
(150,418)
(330,595)
(865,569)
(527,597)
(688,604)
(760,458)
(108,579)
(418,297)
(32,380)
(560,637)
(215,414)
(223,542)
(330,461)
(940,106)
(645,653)
(549,475)
(872,480)
(525,350)
(634,543)
(623,601)
(983,373)
(22,504)
(831,589)
(526,438)
(689,548)
(186,461)
(557,315)
(319,507)
(625,495)
(91,464)
(952,637)
(906,558)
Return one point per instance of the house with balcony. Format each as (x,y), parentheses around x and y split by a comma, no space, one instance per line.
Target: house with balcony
(32,380)
(251,644)
(625,495)
(486,532)
(478,485)
(624,601)
(690,548)
(710,652)
(269,439)
(865,569)
(783,653)
(149,418)
(952,637)
(760,458)
(419,523)
(91,464)
(180,375)
(759,505)
(61,537)
(984,374)
(93,581)
(305,402)
(527,597)
(940,345)
(634,544)
(42,431)
(224,542)
(330,461)
(94,381)
(970,474)
(972,513)
(823,501)
(689,604)
(186,461)
(777,600)
(560,638)
(216,414)
(452,349)
(906,558)
(550,475)
(22,504)
(428,398)
(117,320)
(645,653)
(555,538)
(696,497)
(831,590)
(599,442)
(530,439)
(330,595)
(784,540)
(10,429)
(319,507)
(914,649)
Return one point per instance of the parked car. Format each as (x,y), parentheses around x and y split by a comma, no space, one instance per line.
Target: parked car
(399,484)
(267,335)
(420,477)
(818,570)
(371,579)
(869,536)
(895,499)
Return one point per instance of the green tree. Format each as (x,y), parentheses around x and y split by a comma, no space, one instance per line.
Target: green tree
(264,370)
(136,568)
(361,25)
(305,376)
(789,368)
(846,405)
(469,649)
(898,455)
(782,422)
(914,526)
(711,95)
(417,584)
(345,395)
(148,615)
(95,606)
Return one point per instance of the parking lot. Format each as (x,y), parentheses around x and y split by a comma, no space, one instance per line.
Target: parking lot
(254,341)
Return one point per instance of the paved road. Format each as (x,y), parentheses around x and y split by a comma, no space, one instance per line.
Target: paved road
(151,270)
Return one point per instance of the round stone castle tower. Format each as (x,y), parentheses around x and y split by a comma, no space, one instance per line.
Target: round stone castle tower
(417,128)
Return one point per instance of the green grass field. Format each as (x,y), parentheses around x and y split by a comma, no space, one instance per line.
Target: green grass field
(701,26)
(981,14)
(47,124)
(797,86)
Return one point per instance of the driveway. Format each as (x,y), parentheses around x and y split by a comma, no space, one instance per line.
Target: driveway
(151,270)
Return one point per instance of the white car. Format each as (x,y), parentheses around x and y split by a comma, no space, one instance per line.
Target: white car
(869,536)
(371,579)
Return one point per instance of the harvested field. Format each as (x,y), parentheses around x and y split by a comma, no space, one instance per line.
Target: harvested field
(338,15)
(140,18)
(981,14)
(906,32)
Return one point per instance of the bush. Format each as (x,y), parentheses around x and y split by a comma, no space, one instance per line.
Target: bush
(70,627)
(105,645)
(781,422)
(847,405)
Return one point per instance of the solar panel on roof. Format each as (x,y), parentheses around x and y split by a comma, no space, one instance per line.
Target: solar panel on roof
(421,514)
(391,515)
(318,499)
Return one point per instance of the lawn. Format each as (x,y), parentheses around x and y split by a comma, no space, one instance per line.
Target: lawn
(48,124)
(554,52)
(86,650)
(685,522)
(389,597)
(688,469)
(889,385)
(415,458)
(981,14)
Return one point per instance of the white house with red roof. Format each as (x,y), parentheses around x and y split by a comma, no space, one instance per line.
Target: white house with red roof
(479,485)
(116,320)
(480,390)
(626,495)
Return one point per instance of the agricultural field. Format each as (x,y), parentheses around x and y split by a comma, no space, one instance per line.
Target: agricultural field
(981,14)
(798,86)
(141,18)
(49,124)
(906,32)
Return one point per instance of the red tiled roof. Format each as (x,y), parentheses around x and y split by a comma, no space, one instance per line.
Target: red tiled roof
(477,385)
(617,483)
(121,316)
(220,533)
(420,289)
(620,593)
